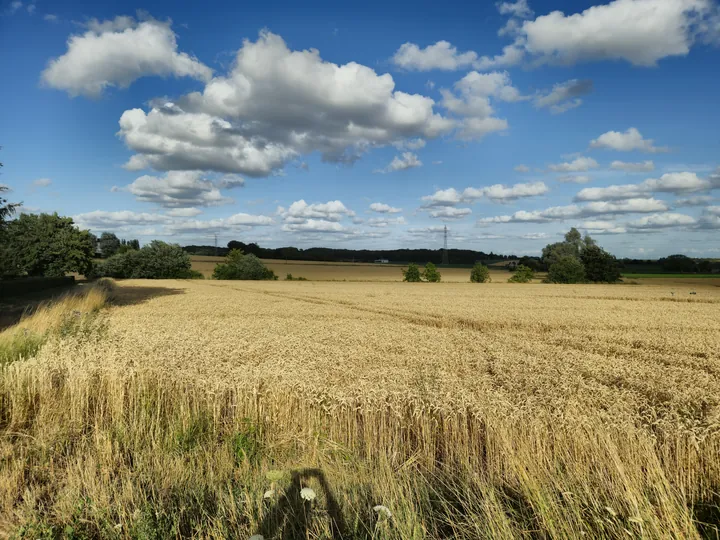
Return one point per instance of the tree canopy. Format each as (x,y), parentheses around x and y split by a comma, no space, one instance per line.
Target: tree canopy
(45,245)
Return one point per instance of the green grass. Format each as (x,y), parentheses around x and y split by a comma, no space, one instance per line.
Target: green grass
(631,275)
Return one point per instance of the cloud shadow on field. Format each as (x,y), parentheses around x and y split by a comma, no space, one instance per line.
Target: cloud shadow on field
(126,295)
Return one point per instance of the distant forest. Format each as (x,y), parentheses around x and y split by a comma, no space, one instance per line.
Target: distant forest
(394,256)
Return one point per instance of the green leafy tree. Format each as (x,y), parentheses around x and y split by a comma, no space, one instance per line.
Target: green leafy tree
(157,260)
(522,274)
(7,209)
(566,270)
(431,274)
(600,266)
(704,266)
(238,265)
(46,245)
(412,274)
(480,274)
(109,244)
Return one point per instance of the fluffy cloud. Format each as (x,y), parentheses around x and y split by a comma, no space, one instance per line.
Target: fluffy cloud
(183,212)
(42,182)
(383,208)
(408,160)
(560,213)
(177,189)
(117,53)
(662,221)
(521,168)
(495,193)
(443,197)
(101,220)
(564,96)
(574,179)
(685,182)
(698,200)
(450,213)
(274,106)
(442,55)
(501,193)
(410,144)
(239,221)
(386,221)
(316,226)
(471,101)
(50,17)
(602,228)
(580,164)
(300,212)
(643,166)
(628,141)
(638,31)
(518,9)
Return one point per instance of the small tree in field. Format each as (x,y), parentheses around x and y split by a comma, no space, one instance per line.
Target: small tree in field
(480,274)
(431,274)
(566,270)
(412,274)
(522,274)
(237,265)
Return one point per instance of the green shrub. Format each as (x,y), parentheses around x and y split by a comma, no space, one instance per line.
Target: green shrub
(480,274)
(412,274)
(566,269)
(522,274)
(157,260)
(240,266)
(289,277)
(431,274)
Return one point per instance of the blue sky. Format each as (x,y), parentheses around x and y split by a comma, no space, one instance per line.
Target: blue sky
(370,125)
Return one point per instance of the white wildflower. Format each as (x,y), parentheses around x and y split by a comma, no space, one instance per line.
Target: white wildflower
(382,510)
(257,537)
(269,494)
(308,494)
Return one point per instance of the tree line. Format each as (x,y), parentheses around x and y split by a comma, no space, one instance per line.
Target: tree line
(421,256)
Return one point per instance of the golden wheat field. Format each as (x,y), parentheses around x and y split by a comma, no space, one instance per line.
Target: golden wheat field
(207,409)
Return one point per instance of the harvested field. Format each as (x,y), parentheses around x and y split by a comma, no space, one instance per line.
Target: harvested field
(471,411)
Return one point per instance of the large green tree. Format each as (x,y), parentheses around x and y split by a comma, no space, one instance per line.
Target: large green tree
(109,244)
(600,266)
(46,245)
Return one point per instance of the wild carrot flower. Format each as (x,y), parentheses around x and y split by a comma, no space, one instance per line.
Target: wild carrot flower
(382,510)
(307,494)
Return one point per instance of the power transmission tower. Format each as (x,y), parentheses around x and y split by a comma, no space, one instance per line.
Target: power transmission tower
(216,252)
(445,258)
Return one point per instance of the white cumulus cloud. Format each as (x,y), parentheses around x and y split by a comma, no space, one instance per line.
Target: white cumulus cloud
(383,208)
(117,53)
(630,140)
(407,160)
(177,189)
(662,221)
(580,164)
(274,106)
(643,166)
(677,183)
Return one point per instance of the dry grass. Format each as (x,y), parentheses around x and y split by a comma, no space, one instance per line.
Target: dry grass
(471,411)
